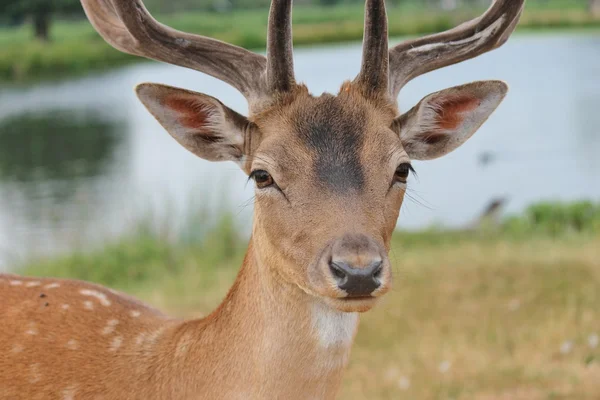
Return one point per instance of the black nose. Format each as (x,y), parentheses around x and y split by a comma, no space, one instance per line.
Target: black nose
(357,282)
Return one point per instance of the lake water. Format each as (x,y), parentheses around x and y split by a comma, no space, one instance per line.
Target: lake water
(81,161)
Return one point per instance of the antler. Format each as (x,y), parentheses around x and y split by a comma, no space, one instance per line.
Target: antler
(280,61)
(373,75)
(471,39)
(128,26)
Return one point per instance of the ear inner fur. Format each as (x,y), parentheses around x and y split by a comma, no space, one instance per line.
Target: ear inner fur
(194,115)
(453,109)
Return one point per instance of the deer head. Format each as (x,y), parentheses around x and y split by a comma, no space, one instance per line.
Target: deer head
(330,171)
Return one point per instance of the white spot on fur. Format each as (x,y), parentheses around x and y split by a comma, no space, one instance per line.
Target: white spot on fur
(33,284)
(17,348)
(94,293)
(333,327)
(135,313)
(116,343)
(65,306)
(16,283)
(32,329)
(110,327)
(152,338)
(69,393)
(88,305)
(140,338)
(52,285)
(34,370)
(72,344)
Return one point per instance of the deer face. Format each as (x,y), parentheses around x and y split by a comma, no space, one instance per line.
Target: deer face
(328,195)
(330,173)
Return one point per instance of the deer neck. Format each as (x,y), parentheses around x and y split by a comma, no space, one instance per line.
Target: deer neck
(269,339)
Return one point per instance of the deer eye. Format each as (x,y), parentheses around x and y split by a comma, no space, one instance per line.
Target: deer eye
(401,174)
(262,178)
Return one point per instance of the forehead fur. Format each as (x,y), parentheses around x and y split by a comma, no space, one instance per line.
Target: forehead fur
(334,131)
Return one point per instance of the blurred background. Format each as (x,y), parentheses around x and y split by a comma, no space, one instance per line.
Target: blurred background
(497,254)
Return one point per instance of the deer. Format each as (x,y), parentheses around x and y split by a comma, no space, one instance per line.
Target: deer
(330,175)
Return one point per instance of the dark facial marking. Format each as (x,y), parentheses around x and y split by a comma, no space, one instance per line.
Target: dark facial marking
(336,136)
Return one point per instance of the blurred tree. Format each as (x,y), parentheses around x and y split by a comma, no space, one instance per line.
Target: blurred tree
(40,12)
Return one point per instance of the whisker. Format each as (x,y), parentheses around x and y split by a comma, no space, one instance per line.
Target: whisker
(242,206)
(416,195)
(417,201)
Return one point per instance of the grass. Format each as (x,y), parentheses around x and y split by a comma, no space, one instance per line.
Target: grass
(505,313)
(76,48)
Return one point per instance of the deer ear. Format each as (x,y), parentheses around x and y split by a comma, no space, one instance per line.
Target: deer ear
(444,120)
(200,123)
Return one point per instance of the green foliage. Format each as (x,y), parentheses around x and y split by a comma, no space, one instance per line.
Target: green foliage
(73,51)
(145,255)
(329,2)
(39,11)
(557,219)
(23,7)
(131,260)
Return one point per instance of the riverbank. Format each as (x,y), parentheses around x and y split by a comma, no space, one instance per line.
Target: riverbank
(504,312)
(77,49)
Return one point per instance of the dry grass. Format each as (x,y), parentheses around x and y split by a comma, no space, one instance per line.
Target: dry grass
(484,321)
(468,319)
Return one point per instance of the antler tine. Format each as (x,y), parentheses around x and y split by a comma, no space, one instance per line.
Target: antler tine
(280,54)
(373,76)
(470,39)
(129,27)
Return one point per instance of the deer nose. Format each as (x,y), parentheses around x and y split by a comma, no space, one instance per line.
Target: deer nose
(357,282)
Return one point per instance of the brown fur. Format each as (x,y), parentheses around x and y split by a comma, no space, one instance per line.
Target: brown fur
(243,350)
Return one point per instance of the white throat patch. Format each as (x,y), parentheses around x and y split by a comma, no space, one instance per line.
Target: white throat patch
(333,327)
